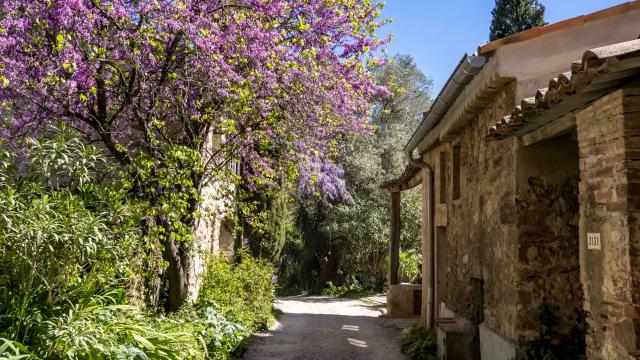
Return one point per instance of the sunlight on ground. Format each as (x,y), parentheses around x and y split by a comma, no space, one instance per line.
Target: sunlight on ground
(318,306)
(275,327)
(351,327)
(358,343)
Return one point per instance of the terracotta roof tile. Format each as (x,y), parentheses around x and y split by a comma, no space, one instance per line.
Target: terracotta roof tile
(601,70)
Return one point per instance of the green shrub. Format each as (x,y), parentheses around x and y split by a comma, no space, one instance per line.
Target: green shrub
(69,247)
(410,262)
(243,290)
(351,288)
(105,331)
(63,236)
(219,337)
(418,343)
(67,241)
(13,350)
(333,290)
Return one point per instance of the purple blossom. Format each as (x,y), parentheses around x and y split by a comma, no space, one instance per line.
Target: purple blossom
(117,70)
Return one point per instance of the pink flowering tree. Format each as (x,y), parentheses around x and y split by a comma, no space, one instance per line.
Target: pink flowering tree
(174,89)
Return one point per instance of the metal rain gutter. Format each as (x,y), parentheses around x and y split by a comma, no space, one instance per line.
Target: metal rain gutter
(466,70)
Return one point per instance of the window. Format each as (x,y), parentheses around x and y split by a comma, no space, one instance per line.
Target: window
(443,177)
(456,172)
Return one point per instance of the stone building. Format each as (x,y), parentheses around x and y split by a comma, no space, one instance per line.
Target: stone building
(529,164)
(214,230)
(214,234)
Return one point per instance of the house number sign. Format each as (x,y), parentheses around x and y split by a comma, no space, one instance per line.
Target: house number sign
(593,241)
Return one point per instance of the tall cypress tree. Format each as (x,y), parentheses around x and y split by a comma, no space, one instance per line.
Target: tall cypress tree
(264,219)
(512,16)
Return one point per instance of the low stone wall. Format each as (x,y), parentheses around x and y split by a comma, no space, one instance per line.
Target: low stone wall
(494,346)
(400,300)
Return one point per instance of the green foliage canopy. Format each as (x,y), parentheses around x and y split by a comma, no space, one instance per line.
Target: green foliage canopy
(353,238)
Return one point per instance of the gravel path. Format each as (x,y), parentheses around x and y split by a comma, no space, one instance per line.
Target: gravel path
(328,328)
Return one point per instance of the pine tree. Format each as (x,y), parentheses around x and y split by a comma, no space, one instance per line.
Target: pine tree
(512,16)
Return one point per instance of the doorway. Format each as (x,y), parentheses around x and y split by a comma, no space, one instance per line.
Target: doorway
(548,278)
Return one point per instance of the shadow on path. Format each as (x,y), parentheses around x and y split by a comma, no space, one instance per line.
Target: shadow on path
(329,328)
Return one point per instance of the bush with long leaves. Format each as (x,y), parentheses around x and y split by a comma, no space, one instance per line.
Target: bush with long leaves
(66,244)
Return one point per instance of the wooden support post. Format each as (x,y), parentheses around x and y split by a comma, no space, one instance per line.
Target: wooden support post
(394,253)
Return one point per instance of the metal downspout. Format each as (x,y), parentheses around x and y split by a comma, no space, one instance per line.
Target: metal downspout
(430,276)
(430,248)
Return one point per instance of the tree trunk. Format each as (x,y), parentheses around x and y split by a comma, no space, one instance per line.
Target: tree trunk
(177,258)
(177,255)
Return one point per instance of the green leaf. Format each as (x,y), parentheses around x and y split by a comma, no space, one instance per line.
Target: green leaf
(144,342)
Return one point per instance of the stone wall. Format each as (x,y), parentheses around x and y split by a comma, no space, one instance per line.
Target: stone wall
(514,226)
(549,270)
(212,234)
(481,227)
(548,219)
(609,138)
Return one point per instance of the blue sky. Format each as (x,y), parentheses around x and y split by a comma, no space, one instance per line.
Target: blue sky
(438,32)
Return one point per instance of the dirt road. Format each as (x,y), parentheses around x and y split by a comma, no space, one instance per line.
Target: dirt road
(328,328)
